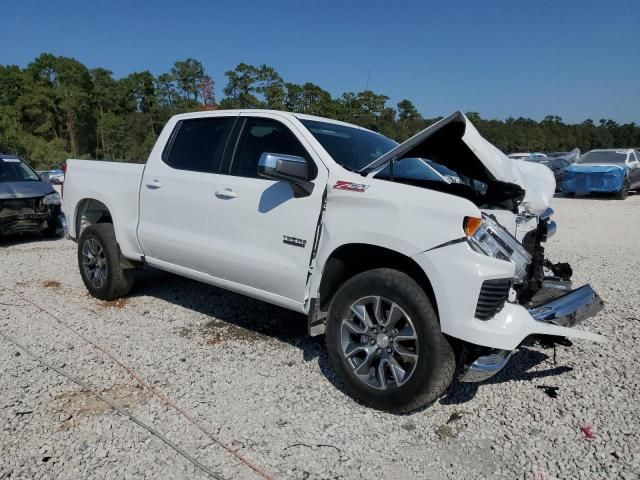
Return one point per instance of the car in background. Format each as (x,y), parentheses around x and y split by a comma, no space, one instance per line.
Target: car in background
(558,161)
(27,202)
(557,166)
(614,171)
(531,156)
(572,157)
(54,177)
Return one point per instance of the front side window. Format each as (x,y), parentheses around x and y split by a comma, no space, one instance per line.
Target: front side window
(353,148)
(198,144)
(15,170)
(263,135)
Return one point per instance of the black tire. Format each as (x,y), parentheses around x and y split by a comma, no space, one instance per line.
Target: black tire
(623,193)
(435,365)
(50,231)
(117,282)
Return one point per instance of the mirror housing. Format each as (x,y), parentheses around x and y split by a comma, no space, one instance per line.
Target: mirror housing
(290,168)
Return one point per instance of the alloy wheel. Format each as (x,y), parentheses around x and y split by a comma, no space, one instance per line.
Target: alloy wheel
(379,342)
(94,263)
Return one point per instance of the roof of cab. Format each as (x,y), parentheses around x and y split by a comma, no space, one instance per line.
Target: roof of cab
(299,116)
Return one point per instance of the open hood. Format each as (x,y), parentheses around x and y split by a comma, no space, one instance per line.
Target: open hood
(455,143)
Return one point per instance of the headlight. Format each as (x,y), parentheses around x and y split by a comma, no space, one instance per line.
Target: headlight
(488,237)
(51,199)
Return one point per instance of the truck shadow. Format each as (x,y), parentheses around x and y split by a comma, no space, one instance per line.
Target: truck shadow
(242,318)
(516,370)
(237,316)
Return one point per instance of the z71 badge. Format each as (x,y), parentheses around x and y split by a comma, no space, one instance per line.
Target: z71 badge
(350,186)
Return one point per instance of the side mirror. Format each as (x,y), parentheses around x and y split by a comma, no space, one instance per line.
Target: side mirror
(56,180)
(290,168)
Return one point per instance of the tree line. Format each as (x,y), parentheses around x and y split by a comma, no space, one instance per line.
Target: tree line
(57,108)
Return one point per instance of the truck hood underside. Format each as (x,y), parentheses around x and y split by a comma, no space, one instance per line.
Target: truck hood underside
(456,144)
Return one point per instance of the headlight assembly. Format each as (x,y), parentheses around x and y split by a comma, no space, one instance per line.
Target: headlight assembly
(488,237)
(51,199)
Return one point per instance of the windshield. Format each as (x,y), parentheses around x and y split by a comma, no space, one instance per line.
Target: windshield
(412,168)
(353,148)
(606,156)
(15,170)
(425,170)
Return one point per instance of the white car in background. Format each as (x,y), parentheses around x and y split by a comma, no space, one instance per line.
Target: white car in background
(531,156)
(413,258)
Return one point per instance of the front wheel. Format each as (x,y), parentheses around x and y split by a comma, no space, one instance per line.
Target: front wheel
(99,262)
(385,344)
(623,193)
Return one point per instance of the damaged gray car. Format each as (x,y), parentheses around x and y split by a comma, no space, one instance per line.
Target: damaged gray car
(27,203)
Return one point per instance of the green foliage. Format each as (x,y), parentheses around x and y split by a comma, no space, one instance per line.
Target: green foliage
(56,108)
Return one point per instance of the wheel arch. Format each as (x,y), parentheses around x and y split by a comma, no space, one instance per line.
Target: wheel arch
(90,211)
(354,258)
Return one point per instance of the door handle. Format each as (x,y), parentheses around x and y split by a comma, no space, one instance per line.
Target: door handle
(226,193)
(153,184)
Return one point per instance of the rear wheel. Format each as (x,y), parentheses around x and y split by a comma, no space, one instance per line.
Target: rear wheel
(384,342)
(99,262)
(623,193)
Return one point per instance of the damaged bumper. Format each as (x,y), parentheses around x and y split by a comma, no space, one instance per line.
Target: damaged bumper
(458,275)
(568,309)
(27,221)
(562,310)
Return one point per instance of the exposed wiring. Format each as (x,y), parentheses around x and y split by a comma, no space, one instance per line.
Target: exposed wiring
(150,387)
(113,405)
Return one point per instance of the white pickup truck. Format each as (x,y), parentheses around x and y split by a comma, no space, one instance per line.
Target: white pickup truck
(415,259)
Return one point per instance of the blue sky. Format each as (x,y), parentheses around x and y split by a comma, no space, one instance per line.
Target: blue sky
(575,59)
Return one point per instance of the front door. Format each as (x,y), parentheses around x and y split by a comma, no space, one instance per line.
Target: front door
(261,231)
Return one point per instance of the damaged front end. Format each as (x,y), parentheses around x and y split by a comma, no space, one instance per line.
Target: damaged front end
(546,291)
(536,298)
(18,215)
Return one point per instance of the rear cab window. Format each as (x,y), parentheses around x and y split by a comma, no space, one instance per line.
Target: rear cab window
(197,145)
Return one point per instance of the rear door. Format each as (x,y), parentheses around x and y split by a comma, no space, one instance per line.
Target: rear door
(177,193)
(262,232)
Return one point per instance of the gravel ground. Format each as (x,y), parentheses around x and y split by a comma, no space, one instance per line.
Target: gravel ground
(247,371)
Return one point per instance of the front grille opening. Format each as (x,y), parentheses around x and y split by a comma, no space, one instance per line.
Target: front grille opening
(493,295)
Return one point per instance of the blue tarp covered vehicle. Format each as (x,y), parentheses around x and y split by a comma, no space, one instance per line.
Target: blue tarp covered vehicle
(606,171)
(593,178)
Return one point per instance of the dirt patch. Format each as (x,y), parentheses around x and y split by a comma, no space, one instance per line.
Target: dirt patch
(217,331)
(118,304)
(22,284)
(72,405)
(445,431)
(184,332)
(52,284)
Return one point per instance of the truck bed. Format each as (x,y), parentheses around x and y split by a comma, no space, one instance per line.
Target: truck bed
(112,183)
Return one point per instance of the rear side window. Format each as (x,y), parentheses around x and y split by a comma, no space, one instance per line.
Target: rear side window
(198,144)
(261,135)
